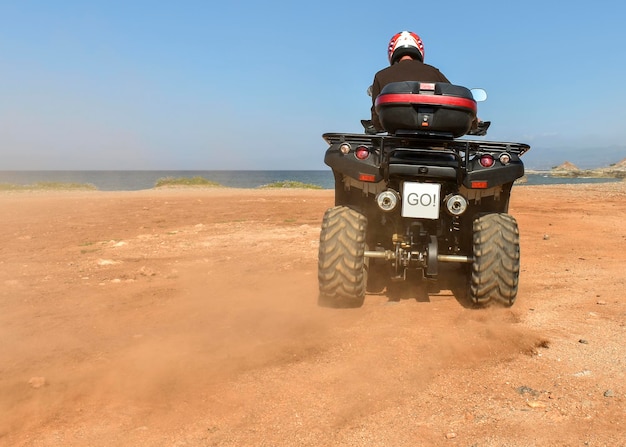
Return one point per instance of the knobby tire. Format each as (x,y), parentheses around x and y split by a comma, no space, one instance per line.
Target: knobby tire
(496,266)
(342,266)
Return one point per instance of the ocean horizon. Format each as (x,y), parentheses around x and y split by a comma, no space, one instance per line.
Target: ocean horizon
(135,180)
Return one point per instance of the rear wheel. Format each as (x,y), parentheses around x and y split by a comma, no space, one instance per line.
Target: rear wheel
(342,266)
(495,270)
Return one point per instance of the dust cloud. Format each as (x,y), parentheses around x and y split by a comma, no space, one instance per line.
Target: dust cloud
(228,345)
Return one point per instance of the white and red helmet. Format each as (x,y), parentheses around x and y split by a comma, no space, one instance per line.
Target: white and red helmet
(405,43)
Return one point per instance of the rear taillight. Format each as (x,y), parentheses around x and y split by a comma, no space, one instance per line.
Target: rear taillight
(362,152)
(486,161)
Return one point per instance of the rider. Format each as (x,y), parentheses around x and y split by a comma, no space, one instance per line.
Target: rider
(406,60)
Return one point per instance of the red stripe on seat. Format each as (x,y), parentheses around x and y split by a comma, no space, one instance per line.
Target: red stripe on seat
(417,99)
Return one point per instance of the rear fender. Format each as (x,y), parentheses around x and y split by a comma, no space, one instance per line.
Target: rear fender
(493,176)
(347,164)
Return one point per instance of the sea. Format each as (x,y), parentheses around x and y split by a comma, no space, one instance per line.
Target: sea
(139,180)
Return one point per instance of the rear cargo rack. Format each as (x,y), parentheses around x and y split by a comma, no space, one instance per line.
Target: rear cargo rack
(383,142)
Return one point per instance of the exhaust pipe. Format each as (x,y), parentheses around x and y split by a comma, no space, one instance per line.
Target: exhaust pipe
(388,200)
(456,204)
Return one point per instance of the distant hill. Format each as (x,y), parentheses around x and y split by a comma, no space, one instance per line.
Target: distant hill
(566,166)
(619,164)
(568,169)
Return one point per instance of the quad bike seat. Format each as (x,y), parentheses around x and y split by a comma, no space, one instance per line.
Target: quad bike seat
(429,108)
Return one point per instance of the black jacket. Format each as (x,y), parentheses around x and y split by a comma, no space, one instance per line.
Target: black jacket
(407,70)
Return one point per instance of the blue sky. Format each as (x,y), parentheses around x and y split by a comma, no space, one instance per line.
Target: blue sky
(253,85)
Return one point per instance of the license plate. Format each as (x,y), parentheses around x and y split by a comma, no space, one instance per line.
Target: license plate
(420,200)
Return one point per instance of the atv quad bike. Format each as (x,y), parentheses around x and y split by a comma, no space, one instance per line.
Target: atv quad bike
(418,195)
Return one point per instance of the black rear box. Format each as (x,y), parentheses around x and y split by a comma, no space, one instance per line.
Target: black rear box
(431,108)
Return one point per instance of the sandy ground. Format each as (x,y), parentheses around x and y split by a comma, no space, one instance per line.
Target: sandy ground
(190,318)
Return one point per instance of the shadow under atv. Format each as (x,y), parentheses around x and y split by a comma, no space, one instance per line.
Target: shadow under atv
(451,280)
